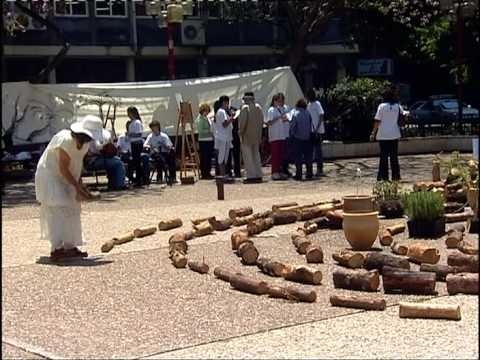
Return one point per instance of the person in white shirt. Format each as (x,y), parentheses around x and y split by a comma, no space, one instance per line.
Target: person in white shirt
(162,152)
(134,133)
(275,120)
(318,129)
(222,126)
(386,130)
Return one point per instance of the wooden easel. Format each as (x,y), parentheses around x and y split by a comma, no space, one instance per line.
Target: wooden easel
(189,153)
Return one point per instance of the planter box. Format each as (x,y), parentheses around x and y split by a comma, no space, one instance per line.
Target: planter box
(426,229)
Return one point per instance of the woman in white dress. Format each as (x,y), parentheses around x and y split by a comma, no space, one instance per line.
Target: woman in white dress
(59,188)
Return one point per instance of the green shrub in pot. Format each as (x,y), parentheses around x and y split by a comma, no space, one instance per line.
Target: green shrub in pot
(425,211)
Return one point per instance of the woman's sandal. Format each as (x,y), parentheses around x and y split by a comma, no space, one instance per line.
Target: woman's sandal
(57,254)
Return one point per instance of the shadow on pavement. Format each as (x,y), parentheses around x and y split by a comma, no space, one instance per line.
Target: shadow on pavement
(89,261)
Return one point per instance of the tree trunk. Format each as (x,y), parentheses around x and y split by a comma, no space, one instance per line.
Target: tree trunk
(272,268)
(276,207)
(249,285)
(349,259)
(358,279)
(123,239)
(202,229)
(408,282)
(453,239)
(291,293)
(423,253)
(301,244)
(144,231)
(441,271)
(224,273)
(282,218)
(198,266)
(220,225)
(169,224)
(429,311)
(314,254)
(258,226)
(470,262)
(375,260)
(358,302)
(465,283)
(234,213)
(303,274)
(248,252)
(238,237)
(399,249)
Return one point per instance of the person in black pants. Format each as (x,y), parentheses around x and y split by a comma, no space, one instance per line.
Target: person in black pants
(234,155)
(386,130)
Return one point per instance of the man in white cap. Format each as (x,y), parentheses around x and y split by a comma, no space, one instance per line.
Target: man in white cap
(59,189)
(96,159)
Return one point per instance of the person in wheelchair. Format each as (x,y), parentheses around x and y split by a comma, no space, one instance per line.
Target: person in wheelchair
(162,153)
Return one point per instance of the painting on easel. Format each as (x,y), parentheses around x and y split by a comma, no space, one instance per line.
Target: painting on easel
(189,153)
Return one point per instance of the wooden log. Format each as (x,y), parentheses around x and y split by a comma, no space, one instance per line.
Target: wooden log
(457,217)
(198,221)
(177,242)
(335,219)
(397,280)
(239,221)
(301,244)
(198,266)
(144,231)
(179,260)
(467,248)
(220,225)
(303,274)
(107,246)
(248,252)
(399,249)
(276,207)
(169,224)
(248,284)
(349,259)
(322,222)
(258,226)
(244,211)
(359,279)
(224,274)
(282,218)
(441,271)
(272,268)
(423,253)
(470,262)
(464,283)
(378,260)
(358,302)
(292,293)
(314,254)
(238,237)
(429,311)
(396,229)
(456,227)
(453,239)
(385,237)
(314,212)
(202,229)
(310,229)
(123,239)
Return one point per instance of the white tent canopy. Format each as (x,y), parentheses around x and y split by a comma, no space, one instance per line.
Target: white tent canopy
(38,111)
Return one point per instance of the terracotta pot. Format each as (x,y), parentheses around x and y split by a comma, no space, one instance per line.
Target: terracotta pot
(358,203)
(361,229)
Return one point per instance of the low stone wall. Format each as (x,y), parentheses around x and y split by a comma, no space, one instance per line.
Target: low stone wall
(407,146)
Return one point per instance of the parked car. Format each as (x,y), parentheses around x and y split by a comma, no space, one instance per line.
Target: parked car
(440,109)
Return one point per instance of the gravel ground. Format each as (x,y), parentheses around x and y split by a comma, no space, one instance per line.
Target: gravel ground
(133,303)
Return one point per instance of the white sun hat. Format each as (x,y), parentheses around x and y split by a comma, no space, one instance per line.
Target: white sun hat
(92,126)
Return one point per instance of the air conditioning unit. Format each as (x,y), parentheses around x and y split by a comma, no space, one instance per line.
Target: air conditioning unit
(193,33)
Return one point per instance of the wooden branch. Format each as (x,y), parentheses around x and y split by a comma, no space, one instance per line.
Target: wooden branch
(429,311)
(349,259)
(359,279)
(198,266)
(465,283)
(291,293)
(144,231)
(220,225)
(470,262)
(169,224)
(399,249)
(423,253)
(378,260)
(358,302)
(238,237)
(244,211)
(272,268)
(303,274)
(397,280)
(249,285)
(314,254)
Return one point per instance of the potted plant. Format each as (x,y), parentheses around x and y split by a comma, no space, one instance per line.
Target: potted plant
(425,212)
(387,199)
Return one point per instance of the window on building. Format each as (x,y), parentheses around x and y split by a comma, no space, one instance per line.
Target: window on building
(110,8)
(70,7)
